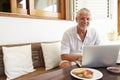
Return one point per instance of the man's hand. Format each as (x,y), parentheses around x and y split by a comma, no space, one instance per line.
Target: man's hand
(79,58)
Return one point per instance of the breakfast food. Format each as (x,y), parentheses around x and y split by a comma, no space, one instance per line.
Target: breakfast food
(83,73)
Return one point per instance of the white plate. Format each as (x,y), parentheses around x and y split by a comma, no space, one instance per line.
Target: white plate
(114,69)
(96,74)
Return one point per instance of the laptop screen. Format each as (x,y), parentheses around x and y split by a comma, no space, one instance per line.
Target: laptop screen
(100,55)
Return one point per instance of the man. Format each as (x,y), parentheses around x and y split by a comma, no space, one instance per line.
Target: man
(76,37)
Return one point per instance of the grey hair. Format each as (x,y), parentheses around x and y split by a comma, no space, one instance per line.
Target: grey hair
(83,10)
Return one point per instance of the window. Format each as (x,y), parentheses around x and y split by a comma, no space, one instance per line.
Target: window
(100,9)
(44,9)
(47,8)
(5,6)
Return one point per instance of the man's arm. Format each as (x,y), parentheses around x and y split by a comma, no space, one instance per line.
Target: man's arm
(71,57)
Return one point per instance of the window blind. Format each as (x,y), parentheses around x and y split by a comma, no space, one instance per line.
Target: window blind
(100,9)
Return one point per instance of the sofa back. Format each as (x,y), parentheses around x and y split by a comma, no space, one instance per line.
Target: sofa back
(37,56)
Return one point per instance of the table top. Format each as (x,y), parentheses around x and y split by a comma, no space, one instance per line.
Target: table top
(64,74)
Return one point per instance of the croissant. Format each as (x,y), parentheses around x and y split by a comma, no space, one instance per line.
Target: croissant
(83,73)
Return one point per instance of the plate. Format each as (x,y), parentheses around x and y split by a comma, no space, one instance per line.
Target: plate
(96,74)
(114,69)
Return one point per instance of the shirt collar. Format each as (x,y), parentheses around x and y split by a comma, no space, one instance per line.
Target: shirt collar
(76,34)
(88,35)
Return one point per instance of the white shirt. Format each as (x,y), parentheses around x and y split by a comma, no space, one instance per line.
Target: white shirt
(72,44)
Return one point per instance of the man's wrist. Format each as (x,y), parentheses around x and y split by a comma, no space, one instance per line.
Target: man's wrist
(79,59)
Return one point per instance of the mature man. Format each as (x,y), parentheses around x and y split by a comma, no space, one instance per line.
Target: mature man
(76,37)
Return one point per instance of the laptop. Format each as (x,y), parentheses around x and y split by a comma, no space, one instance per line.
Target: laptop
(100,55)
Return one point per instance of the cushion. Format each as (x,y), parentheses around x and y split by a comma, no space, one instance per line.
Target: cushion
(17,61)
(51,53)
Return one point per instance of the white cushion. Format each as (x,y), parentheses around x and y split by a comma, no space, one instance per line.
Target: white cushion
(17,61)
(51,53)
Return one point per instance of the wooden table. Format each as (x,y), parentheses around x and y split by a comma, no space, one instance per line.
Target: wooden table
(64,74)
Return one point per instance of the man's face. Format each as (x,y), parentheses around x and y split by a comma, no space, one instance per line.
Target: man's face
(83,20)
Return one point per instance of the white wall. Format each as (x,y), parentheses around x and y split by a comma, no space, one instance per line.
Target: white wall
(22,30)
